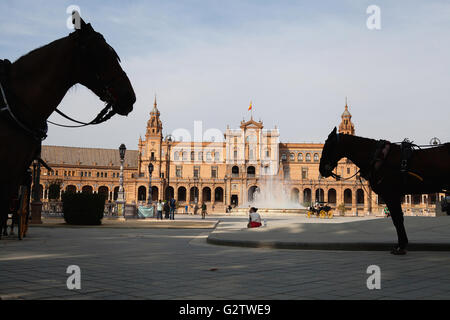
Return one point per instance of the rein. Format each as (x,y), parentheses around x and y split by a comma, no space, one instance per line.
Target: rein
(103,116)
(41,133)
(338,177)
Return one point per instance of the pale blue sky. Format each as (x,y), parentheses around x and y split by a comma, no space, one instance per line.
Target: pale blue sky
(297,61)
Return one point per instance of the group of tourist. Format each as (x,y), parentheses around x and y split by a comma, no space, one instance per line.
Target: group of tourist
(168,207)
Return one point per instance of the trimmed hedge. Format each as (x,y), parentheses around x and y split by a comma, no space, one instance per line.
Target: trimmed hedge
(83,208)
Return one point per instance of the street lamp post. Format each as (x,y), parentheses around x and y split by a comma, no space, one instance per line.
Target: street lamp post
(121,194)
(36,204)
(169,140)
(196,192)
(150,171)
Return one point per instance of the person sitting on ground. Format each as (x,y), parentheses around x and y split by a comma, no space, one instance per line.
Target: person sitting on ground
(254,219)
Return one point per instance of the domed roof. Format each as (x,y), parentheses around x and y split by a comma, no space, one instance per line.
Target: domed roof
(346,113)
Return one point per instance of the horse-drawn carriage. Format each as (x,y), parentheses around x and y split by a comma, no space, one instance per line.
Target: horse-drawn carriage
(320,210)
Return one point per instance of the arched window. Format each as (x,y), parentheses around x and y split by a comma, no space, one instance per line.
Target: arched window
(307,197)
(332,196)
(142,193)
(235,171)
(206,194)
(308,157)
(348,196)
(193,195)
(71,188)
(251,171)
(176,156)
(181,194)
(316,157)
(218,194)
(87,189)
(300,157)
(104,191)
(319,195)
(359,196)
(291,157)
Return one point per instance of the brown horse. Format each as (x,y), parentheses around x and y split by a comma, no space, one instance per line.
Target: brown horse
(34,85)
(389,173)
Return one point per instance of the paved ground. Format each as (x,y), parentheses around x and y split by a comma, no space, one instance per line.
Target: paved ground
(339,233)
(182,222)
(119,263)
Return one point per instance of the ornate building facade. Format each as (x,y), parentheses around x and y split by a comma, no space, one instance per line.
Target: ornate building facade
(223,169)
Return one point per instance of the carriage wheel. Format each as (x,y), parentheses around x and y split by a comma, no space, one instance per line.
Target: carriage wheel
(330,214)
(322,214)
(308,215)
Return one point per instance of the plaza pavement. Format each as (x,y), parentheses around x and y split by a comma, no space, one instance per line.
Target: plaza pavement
(339,233)
(163,263)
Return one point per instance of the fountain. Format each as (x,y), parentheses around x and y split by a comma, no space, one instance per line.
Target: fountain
(272,196)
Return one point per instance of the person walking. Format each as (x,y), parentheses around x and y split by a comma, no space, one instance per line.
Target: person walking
(159,210)
(166,209)
(203,210)
(172,208)
(186,209)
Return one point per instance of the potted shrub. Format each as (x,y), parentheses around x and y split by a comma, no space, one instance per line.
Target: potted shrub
(83,208)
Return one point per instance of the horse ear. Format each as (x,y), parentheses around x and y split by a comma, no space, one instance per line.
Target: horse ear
(78,22)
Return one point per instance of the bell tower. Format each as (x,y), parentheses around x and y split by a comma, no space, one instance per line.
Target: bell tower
(346,126)
(150,147)
(154,124)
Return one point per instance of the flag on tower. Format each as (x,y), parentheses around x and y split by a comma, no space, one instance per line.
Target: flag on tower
(250,106)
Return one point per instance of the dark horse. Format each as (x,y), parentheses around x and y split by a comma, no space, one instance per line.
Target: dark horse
(381,163)
(34,85)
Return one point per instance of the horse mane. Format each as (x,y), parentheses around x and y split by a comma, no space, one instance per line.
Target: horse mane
(359,138)
(35,53)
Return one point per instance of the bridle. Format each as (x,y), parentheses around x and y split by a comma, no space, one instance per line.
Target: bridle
(329,166)
(39,134)
(106,94)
